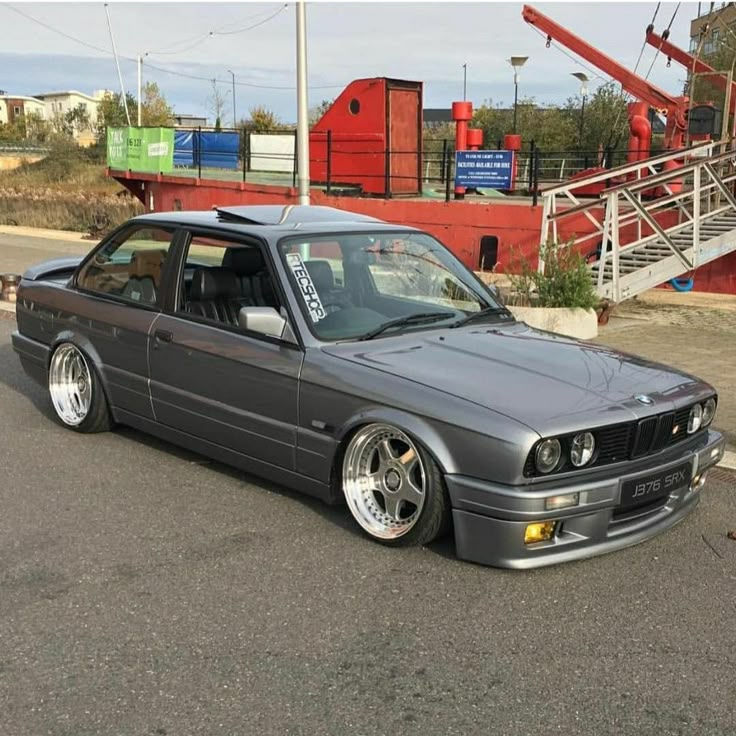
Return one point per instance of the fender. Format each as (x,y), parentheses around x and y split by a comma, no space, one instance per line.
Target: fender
(416,427)
(86,346)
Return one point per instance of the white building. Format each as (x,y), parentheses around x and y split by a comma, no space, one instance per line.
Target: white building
(13,107)
(59,103)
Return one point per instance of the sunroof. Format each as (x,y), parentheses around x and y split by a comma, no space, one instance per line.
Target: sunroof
(278,215)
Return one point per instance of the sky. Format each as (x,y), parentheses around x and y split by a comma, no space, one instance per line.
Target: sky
(421,41)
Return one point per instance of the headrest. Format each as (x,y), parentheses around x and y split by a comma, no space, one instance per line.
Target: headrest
(214,283)
(244,261)
(147,263)
(321,274)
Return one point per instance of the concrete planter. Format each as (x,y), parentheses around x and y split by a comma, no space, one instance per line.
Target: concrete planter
(579,323)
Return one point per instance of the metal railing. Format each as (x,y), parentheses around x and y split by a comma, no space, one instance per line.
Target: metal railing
(666,216)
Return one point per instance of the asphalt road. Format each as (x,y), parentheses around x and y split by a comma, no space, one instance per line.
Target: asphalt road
(145,590)
(19,250)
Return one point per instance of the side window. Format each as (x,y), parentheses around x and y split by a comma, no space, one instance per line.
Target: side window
(221,277)
(129,266)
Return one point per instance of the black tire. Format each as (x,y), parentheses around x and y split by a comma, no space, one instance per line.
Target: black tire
(97,418)
(393,487)
(436,518)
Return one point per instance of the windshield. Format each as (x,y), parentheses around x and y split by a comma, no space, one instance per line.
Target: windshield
(360,286)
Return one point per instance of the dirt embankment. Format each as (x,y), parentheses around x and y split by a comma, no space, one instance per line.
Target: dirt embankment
(67,190)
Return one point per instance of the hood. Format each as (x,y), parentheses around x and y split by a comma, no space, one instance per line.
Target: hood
(54,268)
(552,384)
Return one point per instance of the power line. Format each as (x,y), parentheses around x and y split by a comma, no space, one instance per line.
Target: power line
(210,34)
(159,68)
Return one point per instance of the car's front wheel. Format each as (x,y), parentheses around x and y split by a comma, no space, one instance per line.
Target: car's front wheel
(76,392)
(393,488)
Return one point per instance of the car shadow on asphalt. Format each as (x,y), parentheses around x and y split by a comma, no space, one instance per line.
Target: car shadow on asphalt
(14,378)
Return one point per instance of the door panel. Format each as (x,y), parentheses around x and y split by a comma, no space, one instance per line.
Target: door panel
(405,141)
(120,288)
(226,387)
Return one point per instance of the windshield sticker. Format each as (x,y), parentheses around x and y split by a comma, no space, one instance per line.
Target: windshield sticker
(306,287)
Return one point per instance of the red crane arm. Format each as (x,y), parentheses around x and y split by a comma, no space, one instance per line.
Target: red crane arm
(691,62)
(632,83)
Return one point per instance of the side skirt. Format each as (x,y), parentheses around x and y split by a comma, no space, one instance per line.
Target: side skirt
(226,456)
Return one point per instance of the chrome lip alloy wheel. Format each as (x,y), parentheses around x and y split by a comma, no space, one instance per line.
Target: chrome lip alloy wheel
(384,481)
(70,384)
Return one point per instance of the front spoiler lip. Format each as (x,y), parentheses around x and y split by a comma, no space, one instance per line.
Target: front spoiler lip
(490,520)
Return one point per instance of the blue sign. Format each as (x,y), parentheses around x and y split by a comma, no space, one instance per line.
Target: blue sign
(489,169)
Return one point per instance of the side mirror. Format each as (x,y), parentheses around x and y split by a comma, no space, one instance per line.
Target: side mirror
(264,320)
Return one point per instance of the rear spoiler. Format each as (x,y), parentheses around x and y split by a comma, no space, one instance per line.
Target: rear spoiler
(55,268)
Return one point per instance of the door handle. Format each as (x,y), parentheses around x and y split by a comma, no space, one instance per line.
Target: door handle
(163,336)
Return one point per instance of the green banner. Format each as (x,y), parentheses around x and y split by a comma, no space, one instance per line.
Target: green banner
(148,150)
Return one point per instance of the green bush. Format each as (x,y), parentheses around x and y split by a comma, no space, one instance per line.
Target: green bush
(565,282)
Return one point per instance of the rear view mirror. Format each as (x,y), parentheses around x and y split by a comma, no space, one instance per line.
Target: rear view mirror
(263,320)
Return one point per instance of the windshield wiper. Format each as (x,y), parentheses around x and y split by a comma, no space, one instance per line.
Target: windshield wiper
(487,312)
(417,318)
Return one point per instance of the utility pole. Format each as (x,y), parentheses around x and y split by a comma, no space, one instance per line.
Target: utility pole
(302,102)
(465,82)
(235,116)
(117,63)
(140,89)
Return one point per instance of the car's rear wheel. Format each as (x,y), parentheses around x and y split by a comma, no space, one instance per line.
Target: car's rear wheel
(393,488)
(76,392)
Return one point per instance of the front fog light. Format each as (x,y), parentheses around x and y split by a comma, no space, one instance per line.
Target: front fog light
(582,448)
(555,503)
(540,531)
(695,419)
(548,455)
(709,411)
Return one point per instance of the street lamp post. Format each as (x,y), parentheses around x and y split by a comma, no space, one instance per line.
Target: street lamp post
(465,82)
(583,79)
(302,105)
(235,116)
(517,62)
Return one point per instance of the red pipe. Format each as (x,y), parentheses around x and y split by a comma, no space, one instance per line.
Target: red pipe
(462,113)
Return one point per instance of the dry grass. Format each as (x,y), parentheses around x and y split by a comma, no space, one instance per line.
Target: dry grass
(68,190)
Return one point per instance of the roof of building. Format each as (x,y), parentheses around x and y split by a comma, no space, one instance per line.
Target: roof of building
(67,93)
(6,96)
(437,115)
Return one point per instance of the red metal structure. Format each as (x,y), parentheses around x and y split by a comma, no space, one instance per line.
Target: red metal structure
(675,108)
(371,137)
(691,63)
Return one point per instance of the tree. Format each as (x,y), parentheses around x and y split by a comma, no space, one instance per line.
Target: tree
(262,119)
(111,113)
(216,104)
(605,121)
(155,111)
(316,112)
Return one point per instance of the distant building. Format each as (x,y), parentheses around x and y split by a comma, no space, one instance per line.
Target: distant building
(713,26)
(14,107)
(435,116)
(183,120)
(58,104)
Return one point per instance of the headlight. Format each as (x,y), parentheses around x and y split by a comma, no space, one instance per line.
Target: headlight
(696,419)
(709,411)
(582,448)
(548,455)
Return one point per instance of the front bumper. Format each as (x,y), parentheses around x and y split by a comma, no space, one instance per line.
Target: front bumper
(490,519)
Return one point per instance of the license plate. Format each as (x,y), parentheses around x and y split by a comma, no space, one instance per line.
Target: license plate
(648,488)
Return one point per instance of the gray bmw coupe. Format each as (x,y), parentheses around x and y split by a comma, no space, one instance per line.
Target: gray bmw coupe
(361,362)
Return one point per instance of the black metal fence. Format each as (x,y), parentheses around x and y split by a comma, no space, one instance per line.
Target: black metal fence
(236,155)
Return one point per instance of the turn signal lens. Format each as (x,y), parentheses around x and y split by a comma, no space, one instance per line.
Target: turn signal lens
(695,420)
(555,503)
(548,455)
(541,531)
(709,411)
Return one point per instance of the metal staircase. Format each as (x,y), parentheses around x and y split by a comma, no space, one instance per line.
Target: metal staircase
(658,224)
